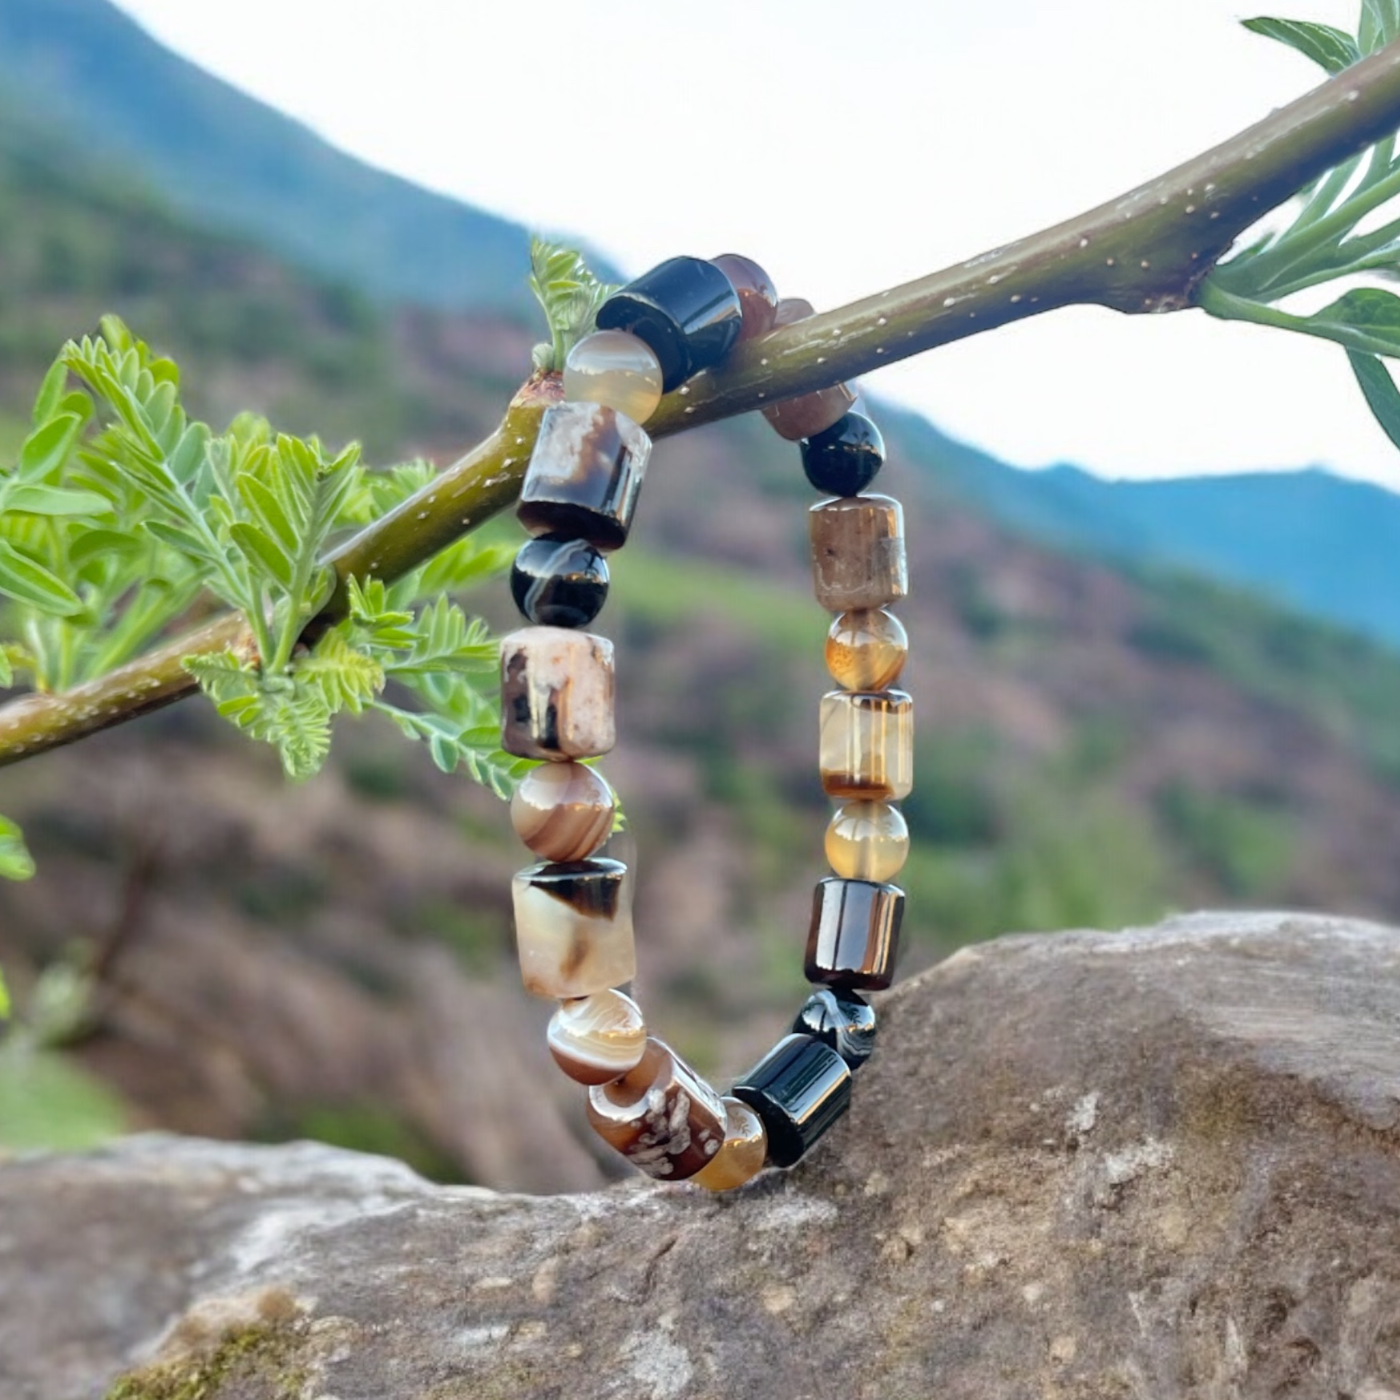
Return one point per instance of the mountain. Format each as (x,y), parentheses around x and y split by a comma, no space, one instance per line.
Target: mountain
(237,165)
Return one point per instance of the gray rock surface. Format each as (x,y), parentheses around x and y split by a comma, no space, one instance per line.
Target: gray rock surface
(1158,1163)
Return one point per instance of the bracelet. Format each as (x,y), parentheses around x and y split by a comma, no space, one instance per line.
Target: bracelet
(573,912)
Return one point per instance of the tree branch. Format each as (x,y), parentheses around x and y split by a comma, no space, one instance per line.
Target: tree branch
(1146,251)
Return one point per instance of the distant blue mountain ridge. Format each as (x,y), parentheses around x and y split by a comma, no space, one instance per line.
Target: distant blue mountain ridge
(1316,542)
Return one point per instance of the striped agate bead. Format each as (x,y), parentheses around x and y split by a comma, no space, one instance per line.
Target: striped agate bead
(573,928)
(596,1039)
(563,811)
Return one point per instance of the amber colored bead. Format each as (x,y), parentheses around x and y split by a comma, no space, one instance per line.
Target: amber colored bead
(595,1039)
(794,419)
(686,309)
(744,1152)
(866,649)
(616,369)
(799,1089)
(557,690)
(661,1115)
(843,459)
(841,1020)
(866,748)
(563,811)
(858,552)
(559,582)
(867,841)
(573,927)
(853,940)
(758,297)
(584,474)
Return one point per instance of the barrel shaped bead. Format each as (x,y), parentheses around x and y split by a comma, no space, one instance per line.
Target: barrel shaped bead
(660,1115)
(584,475)
(596,1039)
(557,688)
(743,1153)
(867,744)
(558,581)
(685,309)
(853,939)
(799,1089)
(841,1020)
(573,927)
(801,417)
(866,649)
(867,841)
(563,811)
(615,369)
(858,556)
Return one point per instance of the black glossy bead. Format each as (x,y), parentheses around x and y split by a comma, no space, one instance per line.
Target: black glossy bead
(853,939)
(843,460)
(799,1089)
(840,1020)
(558,582)
(686,309)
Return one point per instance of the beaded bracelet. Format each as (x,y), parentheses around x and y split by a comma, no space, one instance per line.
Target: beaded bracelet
(573,910)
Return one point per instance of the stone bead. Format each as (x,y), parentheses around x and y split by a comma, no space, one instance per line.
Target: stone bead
(758,297)
(853,940)
(686,309)
(616,369)
(794,419)
(744,1152)
(858,552)
(867,841)
(866,747)
(573,927)
(661,1115)
(841,1020)
(597,1038)
(843,459)
(556,693)
(584,475)
(563,811)
(799,1089)
(866,649)
(559,582)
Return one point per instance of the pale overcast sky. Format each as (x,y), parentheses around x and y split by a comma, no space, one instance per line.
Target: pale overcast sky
(847,148)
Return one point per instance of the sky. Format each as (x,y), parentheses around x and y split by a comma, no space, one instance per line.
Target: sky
(847,148)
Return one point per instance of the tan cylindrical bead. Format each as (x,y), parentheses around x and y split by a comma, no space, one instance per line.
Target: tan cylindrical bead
(867,841)
(758,297)
(661,1115)
(807,414)
(616,369)
(867,744)
(858,552)
(744,1152)
(573,928)
(596,1039)
(866,649)
(556,693)
(563,811)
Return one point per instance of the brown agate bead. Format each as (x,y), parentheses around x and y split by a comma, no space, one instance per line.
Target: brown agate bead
(744,1152)
(867,841)
(573,927)
(867,744)
(865,649)
(562,811)
(661,1115)
(858,552)
(853,940)
(807,414)
(597,1038)
(758,297)
(556,693)
(584,474)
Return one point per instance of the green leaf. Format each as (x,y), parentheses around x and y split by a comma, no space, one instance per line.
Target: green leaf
(50,392)
(55,500)
(271,512)
(28,581)
(1333,49)
(349,678)
(1382,396)
(266,557)
(103,544)
(47,448)
(184,541)
(1380,23)
(1365,319)
(15,861)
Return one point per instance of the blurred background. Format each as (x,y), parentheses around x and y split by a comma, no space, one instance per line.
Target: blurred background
(1134,696)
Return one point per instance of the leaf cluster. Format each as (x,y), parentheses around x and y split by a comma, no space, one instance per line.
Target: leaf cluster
(569,295)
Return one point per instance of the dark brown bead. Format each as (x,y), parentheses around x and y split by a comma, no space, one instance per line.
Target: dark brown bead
(584,475)
(799,1089)
(853,941)
(807,414)
(758,297)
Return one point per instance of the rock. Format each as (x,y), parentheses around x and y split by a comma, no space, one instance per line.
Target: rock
(1158,1163)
